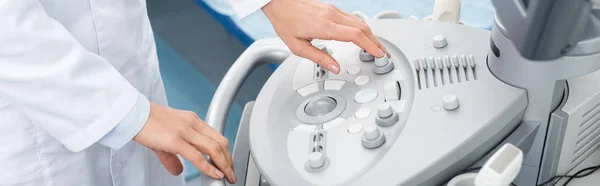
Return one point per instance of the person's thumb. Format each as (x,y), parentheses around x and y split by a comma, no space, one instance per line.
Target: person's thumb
(170,161)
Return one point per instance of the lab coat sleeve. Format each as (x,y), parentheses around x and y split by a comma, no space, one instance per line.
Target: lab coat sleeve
(73,94)
(243,8)
(129,126)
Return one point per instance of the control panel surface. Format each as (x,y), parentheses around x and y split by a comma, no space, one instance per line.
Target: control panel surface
(415,117)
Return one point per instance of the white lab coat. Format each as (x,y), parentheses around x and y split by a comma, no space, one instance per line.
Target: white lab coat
(72,72)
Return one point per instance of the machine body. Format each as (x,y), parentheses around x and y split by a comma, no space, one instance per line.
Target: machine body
(433,93)
(447,99)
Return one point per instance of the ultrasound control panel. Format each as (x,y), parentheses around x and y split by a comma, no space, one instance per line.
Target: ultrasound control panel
(410,118)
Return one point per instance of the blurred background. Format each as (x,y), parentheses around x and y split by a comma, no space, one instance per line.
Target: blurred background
(198,40)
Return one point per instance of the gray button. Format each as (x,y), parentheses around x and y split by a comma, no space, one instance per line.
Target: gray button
(365,56)
(320,106)
(371,133)
(387,121)
(372,137)
(384,110)
(386,116)
(383,65)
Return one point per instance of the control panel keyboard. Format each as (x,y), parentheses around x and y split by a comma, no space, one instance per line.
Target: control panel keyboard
(383,120)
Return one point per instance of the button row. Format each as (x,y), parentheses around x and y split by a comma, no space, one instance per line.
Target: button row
(426,63)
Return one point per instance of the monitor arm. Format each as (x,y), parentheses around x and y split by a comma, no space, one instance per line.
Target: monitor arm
(550,29)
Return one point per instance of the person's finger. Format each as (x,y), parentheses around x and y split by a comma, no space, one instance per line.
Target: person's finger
(306,50)
(216,136)
(212,148)
(195,157)
(197,124)
(170,162)
(347,14)
(353,21)
(350,34)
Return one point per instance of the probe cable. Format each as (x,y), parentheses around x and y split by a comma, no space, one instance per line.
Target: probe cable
(579,174)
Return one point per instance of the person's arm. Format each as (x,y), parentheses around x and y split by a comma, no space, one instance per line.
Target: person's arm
(298,22)
(74,95)
(80,99)
(243,8)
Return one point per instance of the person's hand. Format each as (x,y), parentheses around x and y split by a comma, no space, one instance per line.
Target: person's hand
(298,22)
(169,132)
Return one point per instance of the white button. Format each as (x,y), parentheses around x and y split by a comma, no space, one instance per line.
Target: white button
(371,132)
(384,110)
(353,70)
(362,80)
(365,95)
(391,91)
(333,84)
(439,41)
(333,123)
(450,102)
(355,128)
(308,89)
(362,113)
(316,159)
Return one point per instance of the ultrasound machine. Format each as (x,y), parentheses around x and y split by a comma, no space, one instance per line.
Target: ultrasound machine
(452,104)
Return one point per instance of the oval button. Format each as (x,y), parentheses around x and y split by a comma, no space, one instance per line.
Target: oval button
(365,95)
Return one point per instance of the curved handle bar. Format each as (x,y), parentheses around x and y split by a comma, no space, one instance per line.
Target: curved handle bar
(261,52)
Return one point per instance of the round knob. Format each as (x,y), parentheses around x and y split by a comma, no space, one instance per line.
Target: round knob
(316,159)
(372,137)
(386,116)
(383,65)
(439,41)
(365,56)
(450,102)
(384,110)
(371,133)
(380,62)
(320,106)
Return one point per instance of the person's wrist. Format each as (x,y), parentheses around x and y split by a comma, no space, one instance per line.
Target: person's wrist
(130,126)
